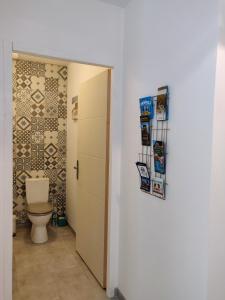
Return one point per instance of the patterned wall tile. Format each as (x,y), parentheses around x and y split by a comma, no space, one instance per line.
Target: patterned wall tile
(37,110)
(23,81)
(51,97)
(52,71)
(37,174)
(61,124)
(37,137)
(62,88)
(23,150)
(52,175)
(62,111)
(51,85)
(23,67)
(61,188)
(62,138)
(23,109)
(37,163)
(20,205)
(63,73)
(51,124)
(51,162)
(62,98)
(14,67)
(23,137)
(51,137)
(61,162)
(23,95)
(51,104)
(23,164)
(51,150)
(62,151)
(37,151)
(21,176)
(37,124)
(39,131)
(38,83)
(38,69)
(23,123)
(53,189)
(61,203)
(61,175)
(37,96)
(20,191)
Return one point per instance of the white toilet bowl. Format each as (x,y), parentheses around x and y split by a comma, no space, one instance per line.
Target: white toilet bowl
(39,232)
(39,210)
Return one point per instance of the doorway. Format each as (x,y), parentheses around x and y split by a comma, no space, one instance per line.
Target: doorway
(41,109)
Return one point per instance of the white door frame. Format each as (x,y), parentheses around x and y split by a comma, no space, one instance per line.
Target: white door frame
(6,165)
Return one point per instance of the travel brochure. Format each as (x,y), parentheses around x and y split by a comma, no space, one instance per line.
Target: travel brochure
(145,130)
(147,114)
(158,187)
(147,107)
(145,177)
(162,104)
(159,157)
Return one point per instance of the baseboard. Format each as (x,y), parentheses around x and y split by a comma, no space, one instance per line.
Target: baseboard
(119,295)
(74,232)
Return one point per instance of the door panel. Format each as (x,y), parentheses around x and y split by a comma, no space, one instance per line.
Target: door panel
(90,180)
(98,106)
(93,169)
(90,236)
(92,136)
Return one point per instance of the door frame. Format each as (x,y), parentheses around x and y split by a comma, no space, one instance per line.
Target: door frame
(8,47)
(6,168)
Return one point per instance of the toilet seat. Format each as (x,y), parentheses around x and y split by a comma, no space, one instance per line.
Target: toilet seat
(39,209)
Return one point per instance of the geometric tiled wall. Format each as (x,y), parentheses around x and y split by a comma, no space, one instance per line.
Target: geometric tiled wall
(39,131)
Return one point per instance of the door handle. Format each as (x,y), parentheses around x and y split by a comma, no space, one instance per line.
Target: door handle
(77,169)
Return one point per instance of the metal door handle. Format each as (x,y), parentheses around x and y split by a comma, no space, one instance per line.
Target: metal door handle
(77,169)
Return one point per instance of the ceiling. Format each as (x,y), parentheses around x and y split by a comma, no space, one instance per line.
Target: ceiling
(121,3)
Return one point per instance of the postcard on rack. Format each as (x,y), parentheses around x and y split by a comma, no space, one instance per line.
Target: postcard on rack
(145,130)
(147,107)
(145,177)
(159,157)
(162,103)
(158,187)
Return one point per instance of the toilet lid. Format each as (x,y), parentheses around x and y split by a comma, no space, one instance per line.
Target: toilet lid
(39,208)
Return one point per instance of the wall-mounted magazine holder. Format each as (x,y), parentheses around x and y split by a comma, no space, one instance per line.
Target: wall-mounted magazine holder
(155,155)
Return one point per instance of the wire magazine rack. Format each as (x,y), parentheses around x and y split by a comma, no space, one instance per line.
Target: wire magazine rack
(159,132)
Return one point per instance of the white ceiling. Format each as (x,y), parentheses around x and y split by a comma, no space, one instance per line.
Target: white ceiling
(121,3)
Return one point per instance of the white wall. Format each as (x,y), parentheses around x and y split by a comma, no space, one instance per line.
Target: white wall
(217,203)
(80,30)
(77,74)
(163,244)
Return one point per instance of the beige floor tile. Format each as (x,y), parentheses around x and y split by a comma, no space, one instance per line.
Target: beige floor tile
(53,270)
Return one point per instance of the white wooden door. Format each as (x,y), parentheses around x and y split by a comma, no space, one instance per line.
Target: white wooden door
(93,132)
(6,166)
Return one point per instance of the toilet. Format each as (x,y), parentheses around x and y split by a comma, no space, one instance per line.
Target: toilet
(39,210)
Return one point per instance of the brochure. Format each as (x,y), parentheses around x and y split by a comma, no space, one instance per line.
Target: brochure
(145,130)
(158,187)
(145,177)
(147,107)
(162,104)
(159,157)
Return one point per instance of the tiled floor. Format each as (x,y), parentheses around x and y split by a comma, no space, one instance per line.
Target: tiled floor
(53,270)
